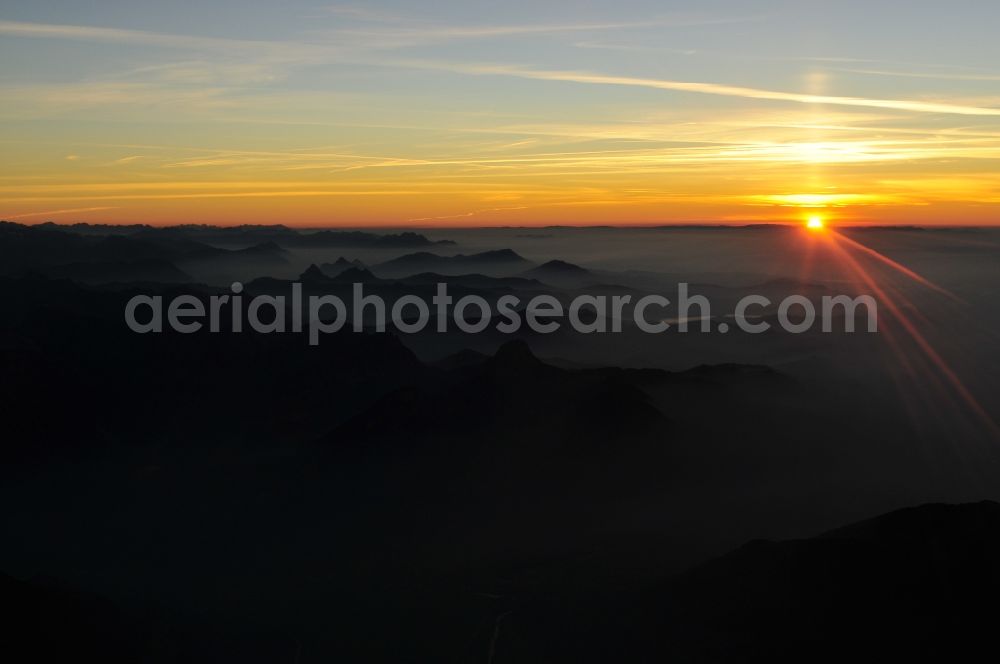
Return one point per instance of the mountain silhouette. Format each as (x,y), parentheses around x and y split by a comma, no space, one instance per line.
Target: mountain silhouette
(314,274)
(561,273)
(159,255)
(918,584)
(287,237)
(245,496)
(355,275)
(559,267)
(341,264)
(423,261)
(150,270)
(474,281)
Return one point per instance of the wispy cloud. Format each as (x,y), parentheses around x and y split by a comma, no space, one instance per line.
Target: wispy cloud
(370,31)
(195,73)
(708,88)
(122,36)
(636,48)
(52,213)
(938,75)
(64,97)
(432,33)
(361,13)
(207,72)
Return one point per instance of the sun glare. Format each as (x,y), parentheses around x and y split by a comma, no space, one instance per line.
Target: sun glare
(814,222)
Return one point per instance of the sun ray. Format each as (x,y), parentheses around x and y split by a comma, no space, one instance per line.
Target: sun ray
(908,326)
(897,266)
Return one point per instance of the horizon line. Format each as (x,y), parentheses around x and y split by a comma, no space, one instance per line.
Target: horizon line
(625,226)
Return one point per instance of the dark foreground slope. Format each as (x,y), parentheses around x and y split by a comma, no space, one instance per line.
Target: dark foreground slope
(919,585)
(916,585)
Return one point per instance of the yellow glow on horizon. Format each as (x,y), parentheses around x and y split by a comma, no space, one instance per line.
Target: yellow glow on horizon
(512,175)
(815,223)
(834,200)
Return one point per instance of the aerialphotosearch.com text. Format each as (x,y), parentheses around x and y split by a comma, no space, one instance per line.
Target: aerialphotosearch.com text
(317,315)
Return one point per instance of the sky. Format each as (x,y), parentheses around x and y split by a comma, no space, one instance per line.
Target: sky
(468,113)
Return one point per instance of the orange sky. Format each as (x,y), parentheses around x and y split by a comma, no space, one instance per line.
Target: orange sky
(319,116)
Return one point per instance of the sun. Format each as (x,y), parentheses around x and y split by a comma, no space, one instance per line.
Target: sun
(815,223)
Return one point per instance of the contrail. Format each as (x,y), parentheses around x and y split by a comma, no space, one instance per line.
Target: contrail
(708,88)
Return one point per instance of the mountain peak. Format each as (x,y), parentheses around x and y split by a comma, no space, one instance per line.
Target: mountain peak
(265,247)
(499,254)
(562,266)
(313,273)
